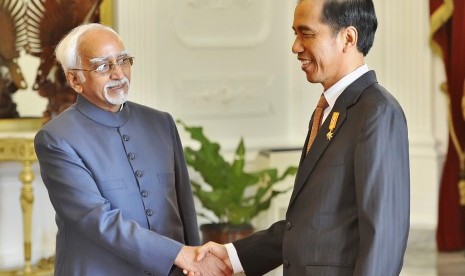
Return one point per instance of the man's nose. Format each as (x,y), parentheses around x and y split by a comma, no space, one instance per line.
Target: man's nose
(297,46)
(116,71)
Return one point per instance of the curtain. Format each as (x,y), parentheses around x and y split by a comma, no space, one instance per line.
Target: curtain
(448,40)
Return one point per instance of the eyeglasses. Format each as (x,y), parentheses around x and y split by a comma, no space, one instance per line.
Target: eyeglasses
(103,68)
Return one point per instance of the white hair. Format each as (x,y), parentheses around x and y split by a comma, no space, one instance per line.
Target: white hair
(66,51)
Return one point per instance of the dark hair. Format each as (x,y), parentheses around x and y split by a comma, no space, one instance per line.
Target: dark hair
(360,14)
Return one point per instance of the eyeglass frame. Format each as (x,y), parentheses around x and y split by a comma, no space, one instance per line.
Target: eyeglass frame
(111,66)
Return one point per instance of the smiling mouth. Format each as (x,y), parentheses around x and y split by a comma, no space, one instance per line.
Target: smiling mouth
(305,63)
(117,87)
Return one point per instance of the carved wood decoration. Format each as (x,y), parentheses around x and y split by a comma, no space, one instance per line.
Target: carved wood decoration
(36,26)
(12,40)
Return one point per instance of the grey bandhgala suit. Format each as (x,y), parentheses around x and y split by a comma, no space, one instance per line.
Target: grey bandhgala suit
(120,189)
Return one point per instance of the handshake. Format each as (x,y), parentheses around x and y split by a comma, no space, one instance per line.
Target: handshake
(210,259)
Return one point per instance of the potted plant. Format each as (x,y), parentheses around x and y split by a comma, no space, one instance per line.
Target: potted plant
(235,196)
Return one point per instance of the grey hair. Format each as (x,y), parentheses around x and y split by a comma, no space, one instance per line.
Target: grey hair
(66,51)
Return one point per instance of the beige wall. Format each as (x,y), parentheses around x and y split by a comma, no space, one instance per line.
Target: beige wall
(227,65)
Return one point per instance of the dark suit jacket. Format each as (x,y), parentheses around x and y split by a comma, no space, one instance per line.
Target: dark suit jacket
(120,189)
(349,210)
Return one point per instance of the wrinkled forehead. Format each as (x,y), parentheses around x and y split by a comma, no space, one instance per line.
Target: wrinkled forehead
(307,14)
(309,8)
(100,44)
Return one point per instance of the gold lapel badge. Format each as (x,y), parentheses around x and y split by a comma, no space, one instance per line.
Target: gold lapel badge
(332,125)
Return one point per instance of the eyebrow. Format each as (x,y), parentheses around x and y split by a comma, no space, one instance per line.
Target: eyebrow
(302,28)
(101,59)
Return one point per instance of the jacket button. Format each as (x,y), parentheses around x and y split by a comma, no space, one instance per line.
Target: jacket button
(149,212)
(285,263)
(126,137)
(144,193)
(131,156)
(288,225)
(139,173)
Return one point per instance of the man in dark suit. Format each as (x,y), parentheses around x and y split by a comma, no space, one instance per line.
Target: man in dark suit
(349,210)
(115,171)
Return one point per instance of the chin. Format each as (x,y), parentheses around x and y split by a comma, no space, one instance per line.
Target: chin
(119,100)
(311,79)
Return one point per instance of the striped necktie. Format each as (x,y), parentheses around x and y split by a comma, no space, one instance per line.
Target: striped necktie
(318,115)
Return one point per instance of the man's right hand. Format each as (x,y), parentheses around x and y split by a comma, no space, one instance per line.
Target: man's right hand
(206,264)
(219,250)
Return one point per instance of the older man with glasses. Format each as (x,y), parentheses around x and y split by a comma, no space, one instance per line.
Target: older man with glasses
(115,171)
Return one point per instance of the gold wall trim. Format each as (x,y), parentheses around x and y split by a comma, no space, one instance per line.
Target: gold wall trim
(107,13)
(17,150)
(21,125)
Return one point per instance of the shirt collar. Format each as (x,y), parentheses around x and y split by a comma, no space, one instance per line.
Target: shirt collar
(336,90)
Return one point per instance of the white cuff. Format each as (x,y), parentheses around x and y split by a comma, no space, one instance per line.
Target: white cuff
(234,258)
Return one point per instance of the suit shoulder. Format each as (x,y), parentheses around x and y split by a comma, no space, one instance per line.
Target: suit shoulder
(148,111)
(148,116)
(377,96)
(376,103)
(58,123)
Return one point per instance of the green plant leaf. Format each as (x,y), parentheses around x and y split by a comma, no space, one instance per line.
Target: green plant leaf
(234,195)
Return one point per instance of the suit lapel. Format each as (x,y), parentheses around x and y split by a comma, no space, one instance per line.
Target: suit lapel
(319,146)
(348,98)
(304,149)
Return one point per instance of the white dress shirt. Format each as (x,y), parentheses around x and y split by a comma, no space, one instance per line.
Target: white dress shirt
(334,91)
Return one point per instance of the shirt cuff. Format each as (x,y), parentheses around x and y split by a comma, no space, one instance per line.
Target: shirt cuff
(234,258)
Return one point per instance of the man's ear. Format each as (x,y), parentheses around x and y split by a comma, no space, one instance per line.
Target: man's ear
(350,38)
(74,81)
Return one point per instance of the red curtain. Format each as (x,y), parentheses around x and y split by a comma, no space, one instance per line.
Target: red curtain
(448,32)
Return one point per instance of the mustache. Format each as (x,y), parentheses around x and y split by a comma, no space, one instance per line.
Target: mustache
(114,83)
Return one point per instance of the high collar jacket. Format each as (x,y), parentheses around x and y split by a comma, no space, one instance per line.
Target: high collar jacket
(120,188)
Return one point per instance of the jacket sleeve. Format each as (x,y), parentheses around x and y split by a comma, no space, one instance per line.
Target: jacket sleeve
(382,184)
(261,251)
(184,191)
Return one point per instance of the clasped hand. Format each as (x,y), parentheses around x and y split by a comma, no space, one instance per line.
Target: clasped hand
(209,259)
